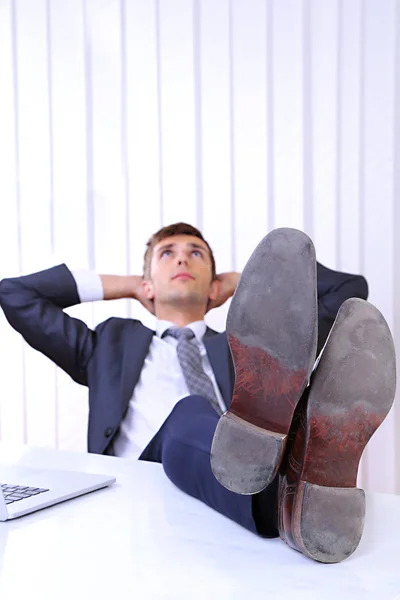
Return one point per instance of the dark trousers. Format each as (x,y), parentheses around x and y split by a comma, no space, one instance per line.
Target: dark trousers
(183,446)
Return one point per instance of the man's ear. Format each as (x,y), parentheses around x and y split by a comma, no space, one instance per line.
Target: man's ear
(147,288)
(214,289)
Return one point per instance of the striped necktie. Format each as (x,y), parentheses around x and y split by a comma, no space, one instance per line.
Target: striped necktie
(197,381)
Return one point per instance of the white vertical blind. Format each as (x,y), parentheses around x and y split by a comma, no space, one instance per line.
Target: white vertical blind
(35,178)
(238,116)
(70,189)
(377,254)
(13,413)
(289,58)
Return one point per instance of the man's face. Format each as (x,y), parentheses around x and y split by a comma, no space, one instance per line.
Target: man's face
(181,272)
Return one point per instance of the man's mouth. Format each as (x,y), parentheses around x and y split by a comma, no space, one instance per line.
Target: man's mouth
(183,276)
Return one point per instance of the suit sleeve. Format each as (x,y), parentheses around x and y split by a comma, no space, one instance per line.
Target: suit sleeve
(34,306)
(333,289)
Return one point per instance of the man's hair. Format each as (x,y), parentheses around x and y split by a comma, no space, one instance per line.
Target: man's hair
(169,231)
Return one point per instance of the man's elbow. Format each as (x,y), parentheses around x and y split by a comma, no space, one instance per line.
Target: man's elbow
(10,294)
(7,287)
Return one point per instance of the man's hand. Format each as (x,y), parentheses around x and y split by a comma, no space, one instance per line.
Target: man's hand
(227,287)
(139,294)
(125,286)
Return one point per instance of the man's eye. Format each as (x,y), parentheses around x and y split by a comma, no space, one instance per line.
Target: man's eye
(165,252)
(197,252)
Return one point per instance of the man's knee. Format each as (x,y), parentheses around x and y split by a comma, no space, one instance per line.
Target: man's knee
(192,405)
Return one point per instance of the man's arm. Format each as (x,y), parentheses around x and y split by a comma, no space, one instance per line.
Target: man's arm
(334,288)
(115,287)
(34,306)
(227,286)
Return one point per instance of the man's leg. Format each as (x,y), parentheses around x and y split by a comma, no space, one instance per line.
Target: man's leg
(183,447)
(272,335)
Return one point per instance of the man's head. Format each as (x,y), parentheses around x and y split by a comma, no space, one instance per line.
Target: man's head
(179,269)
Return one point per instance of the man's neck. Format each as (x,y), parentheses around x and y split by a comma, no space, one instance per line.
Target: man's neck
(180,318)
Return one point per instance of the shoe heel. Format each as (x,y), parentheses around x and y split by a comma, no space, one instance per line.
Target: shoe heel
(328,522)
(245,458)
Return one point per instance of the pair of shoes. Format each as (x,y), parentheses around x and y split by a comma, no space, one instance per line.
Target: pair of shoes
(306,422)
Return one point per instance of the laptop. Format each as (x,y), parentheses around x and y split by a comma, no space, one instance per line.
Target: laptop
(25,490)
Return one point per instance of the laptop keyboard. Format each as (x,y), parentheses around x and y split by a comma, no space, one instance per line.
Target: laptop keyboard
(13,493)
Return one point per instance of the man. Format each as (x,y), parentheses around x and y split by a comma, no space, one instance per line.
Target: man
(283,457)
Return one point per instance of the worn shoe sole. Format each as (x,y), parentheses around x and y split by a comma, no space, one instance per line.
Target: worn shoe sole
(351,393)
(272,334)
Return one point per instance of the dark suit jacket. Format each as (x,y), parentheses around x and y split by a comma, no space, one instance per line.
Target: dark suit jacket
(109,359)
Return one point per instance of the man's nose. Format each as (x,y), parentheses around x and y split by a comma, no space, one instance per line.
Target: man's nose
(182,258)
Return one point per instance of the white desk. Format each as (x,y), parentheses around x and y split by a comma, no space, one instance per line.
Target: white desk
(144,539)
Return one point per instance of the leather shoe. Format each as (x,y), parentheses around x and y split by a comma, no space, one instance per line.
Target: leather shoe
(321,512)
(272,334)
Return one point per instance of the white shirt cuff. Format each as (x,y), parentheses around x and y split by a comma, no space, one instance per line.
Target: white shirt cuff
(90,288)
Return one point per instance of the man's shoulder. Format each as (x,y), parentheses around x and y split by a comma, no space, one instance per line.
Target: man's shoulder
(211,334)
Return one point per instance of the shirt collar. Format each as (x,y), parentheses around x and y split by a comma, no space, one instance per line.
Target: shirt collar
(199,328)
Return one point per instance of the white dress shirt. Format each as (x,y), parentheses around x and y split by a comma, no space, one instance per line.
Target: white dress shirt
(161,383)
